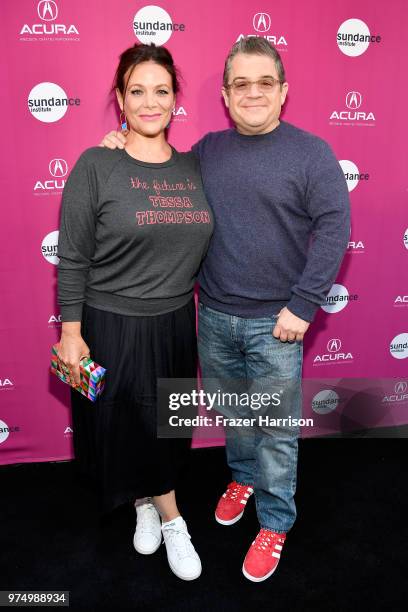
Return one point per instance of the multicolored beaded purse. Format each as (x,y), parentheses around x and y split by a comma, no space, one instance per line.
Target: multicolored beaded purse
(92,375)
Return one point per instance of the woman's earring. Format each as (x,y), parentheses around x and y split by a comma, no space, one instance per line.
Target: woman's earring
(123,121)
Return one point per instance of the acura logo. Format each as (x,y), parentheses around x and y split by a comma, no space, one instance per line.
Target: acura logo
(47,10)
(334,345)
(353,99)
(401,387)
(261,22)
(58,167)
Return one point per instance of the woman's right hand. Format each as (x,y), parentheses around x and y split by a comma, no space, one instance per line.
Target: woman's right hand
(71,349)
(115,139)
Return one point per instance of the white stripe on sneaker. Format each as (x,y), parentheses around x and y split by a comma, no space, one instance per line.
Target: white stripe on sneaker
(243,501)
(277,555)
(246,494)
(250,489)
(278,547)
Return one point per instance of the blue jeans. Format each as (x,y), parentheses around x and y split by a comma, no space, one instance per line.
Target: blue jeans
(232,347)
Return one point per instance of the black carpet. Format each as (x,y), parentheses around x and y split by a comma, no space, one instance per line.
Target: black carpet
(347,550)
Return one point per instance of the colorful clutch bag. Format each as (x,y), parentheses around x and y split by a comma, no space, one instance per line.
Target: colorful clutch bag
(92,375)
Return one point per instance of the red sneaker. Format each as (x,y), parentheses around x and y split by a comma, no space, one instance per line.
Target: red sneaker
(263,555)
(232,503)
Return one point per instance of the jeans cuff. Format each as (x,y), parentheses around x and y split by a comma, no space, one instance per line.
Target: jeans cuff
(245,484)
(269,528)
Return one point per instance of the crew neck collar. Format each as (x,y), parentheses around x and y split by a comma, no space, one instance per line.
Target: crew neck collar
(139,162)
(258,137)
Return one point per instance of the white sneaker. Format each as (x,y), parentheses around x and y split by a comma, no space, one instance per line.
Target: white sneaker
(181,554)
(148,536)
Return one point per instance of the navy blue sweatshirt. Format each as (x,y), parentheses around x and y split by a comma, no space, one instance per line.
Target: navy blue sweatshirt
(282,218)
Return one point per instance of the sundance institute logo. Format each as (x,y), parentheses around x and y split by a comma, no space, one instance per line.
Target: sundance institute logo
(337,299)
(49,247)
(325,401)
(48,102)
(352,174)
(354,37)
(152,24)
(6,430)
(399,346)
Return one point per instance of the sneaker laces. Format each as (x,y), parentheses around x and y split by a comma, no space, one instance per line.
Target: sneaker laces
(235,491)
(180,541)
(146,517)
(266,539)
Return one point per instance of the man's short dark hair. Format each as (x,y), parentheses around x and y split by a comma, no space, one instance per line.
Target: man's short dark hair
(254,45)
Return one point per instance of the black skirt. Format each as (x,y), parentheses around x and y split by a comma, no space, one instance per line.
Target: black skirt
(115,438)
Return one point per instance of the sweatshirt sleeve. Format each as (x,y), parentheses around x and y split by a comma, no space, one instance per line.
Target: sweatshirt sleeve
(196,149)
(76,243)
(328,205)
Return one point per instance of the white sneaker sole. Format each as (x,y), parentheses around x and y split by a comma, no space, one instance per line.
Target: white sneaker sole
(185,577)
(231,522)
(253,579)
(146,551)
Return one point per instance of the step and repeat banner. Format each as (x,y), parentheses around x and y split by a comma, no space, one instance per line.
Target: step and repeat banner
(345,62)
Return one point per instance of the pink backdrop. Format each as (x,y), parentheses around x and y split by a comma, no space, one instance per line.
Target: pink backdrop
(356,102)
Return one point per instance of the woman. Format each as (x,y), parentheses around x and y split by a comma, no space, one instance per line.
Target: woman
(135,225)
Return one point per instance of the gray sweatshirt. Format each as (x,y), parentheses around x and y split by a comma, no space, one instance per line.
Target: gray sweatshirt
(282,221)
(132,234)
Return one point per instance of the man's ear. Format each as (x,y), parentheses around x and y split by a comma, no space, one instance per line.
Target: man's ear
(119,98)
(284,92)
(224,93)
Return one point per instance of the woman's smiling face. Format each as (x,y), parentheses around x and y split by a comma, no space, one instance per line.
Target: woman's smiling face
(149,98)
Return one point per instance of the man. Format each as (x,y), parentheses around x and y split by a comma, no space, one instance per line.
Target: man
(281,208)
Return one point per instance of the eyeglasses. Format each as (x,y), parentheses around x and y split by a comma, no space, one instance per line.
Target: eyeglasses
(242,87)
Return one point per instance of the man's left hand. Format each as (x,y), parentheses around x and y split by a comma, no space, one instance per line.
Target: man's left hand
(289,327)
